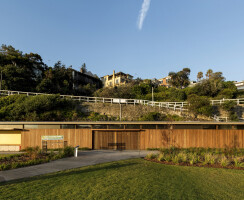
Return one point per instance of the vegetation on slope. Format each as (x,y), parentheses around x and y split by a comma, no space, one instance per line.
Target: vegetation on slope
(38,108)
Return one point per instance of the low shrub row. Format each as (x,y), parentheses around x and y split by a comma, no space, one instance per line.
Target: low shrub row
(227,158)
(33,156)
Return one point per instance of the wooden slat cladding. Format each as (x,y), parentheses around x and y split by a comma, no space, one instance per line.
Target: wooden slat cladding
(139,139)
(74,137)
(112,139)
(185,138)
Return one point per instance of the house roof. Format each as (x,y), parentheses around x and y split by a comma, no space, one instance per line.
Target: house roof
(119,74)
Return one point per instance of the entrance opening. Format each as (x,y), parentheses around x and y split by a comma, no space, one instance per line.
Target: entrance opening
(116,139)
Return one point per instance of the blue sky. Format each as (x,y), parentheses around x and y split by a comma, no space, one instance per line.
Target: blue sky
(199,34)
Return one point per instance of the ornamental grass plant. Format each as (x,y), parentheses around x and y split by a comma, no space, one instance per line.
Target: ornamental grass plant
(209,157)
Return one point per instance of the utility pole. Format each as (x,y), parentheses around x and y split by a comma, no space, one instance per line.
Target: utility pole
(120,113)
(152,95)
(1,81)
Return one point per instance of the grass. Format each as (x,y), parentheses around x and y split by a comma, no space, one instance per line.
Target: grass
(130,179)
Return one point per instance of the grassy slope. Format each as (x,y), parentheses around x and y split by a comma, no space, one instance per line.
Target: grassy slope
(131,179)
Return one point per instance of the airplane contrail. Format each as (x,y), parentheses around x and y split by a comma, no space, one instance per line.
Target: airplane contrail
(143,13)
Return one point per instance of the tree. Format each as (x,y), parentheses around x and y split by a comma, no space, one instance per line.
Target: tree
(229,106)
(20,71)
(180,79)
(199,76)
(199,105)
(209,73)
(213,86)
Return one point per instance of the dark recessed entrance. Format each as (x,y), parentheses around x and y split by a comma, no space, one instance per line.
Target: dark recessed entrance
(116,139)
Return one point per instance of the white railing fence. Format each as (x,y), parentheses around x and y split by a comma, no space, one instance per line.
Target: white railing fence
(221,101)
(177,106)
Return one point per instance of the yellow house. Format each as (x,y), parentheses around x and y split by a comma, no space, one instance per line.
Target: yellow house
(116,79)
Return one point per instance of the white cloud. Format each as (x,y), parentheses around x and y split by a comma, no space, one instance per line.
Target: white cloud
(143,13)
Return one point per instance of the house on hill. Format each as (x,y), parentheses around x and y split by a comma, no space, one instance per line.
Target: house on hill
(240,85)
(165,81)
(82,78)
(116,79)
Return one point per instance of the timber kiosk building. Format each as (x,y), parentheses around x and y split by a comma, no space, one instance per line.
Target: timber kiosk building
(15,136)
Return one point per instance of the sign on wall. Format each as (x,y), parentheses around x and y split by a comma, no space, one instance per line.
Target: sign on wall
(52,137)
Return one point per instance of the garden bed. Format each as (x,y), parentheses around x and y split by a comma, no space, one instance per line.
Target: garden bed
(200,157)
(32,156)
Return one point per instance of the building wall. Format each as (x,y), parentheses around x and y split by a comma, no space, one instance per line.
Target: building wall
(10,140)
(139,139)
(116,79)
(73,137)
(165,81)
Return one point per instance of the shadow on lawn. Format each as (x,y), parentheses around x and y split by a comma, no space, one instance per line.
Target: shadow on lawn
(77,171)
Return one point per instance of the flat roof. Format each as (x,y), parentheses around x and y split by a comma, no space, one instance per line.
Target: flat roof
(11,129)
(119,122)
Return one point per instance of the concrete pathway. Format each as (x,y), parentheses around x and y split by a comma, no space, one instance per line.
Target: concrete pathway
(85,158)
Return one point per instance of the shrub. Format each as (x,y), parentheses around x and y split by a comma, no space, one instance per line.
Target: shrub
(68,151)
(192,158)
(153,116)
(176,159)
(38,108)
(5,166)
(238,162)
(151,156)
(161,157)
(33,151)
(229,106)
(224,161)
(199,105)
(167,158)
(182,156)
(207,158)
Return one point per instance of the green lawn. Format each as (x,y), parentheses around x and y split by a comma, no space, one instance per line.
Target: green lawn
(131,179)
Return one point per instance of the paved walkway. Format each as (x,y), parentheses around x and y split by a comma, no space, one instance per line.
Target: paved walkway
(84,158)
